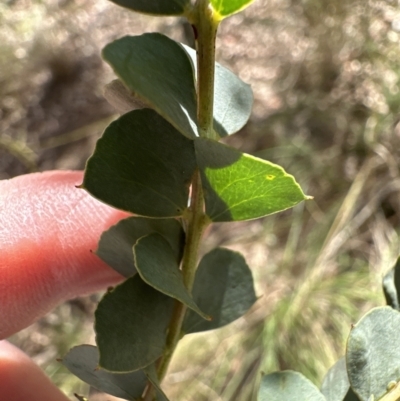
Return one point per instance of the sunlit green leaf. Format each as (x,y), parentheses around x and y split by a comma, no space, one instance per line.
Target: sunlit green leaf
(233,99)
(238,186)
(288,386)
(223,288)
(158,71)
(142,165)
(225,8)
(336,385)
(373,353)
(155,7)
(391,286)
(131,326)
(115,246)
(157,265)
(83,362)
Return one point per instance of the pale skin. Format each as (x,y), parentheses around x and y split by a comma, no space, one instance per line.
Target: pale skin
(48,229)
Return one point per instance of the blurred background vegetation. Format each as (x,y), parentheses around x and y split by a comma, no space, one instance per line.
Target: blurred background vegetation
(325,76)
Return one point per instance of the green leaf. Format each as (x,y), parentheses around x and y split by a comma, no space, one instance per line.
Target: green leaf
(142,165)
(223,288)
(83,362)
(238,186)
(288,386)
(131,326)
(233,99)
(158,267)
(373,353)
(151,374)
(336,385)
(115,246)
(391,286)
(155,7)
(158,71)
(225,8)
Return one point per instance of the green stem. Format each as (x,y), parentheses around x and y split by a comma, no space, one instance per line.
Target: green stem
(206,27)
(197,223)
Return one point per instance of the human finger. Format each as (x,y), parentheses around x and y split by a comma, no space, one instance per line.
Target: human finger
(47,231)
(22,380)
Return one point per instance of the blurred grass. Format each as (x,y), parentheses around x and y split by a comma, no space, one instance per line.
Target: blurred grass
(327,99)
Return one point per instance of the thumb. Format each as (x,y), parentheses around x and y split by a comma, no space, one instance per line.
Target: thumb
(47,230)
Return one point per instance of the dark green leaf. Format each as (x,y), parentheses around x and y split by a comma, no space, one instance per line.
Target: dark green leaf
(155,7)
(238,186)
(373,353)
(336,385)
(83,361)
(131,326)
(165,80)
(288,386)
(142,165)
(233,99)
(151,374)
(115,246)
(158,71)
(391,286)
(158,267)
(223,288)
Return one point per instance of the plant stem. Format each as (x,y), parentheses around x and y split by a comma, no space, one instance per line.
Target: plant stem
(393,393)
(197,221)
(206,27)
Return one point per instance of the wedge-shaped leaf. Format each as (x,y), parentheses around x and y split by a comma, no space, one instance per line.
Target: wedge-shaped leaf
(223,288)
(373,353)
(158,267)
(238,186)
(142,165)
(158,71)
(151,374)
(233,99)
(336,385)
(225,8)
(115,246)
(155,7)
(391,286)
(131,326)
(288,386)
(83,362)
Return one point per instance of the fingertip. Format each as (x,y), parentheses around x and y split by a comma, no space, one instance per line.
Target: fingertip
(22,380)
(47,231)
